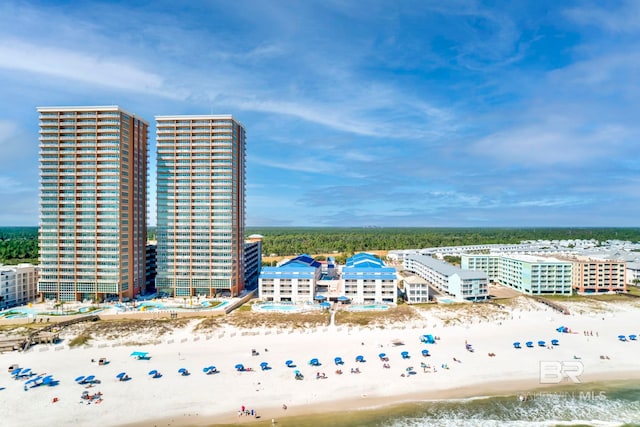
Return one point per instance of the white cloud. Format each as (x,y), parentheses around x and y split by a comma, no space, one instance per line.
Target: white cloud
(94,69)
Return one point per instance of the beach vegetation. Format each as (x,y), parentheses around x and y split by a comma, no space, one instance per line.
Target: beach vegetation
(81,339)
(395,315)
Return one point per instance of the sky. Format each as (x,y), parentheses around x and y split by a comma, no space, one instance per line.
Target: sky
(456,113)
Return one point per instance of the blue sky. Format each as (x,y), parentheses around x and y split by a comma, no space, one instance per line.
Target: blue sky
(385,113)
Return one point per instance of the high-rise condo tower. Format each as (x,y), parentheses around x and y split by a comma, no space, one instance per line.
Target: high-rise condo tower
(201,197)
(93,192)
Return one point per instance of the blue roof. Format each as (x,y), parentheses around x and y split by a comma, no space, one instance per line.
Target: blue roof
(364,259)
(303,259)
(298,267)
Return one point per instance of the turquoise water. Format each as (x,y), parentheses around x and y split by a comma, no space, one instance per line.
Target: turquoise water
(149,306)
(278,307)
(596,405)
(368,307)
(17,313)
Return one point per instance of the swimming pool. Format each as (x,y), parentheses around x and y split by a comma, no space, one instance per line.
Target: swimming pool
(17,313)
(150,306)
(283,308)
(369,307)
(446,301)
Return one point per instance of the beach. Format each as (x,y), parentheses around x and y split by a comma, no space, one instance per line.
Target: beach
(201,399)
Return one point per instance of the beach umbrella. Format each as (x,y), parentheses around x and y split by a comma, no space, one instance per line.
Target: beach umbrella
(153,372)
(342,298)
(79,379)
(25,371)
(89,378)
(321,297)
(325,304)
(206,369)
(47,380)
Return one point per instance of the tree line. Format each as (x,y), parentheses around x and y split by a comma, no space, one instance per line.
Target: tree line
(20,244)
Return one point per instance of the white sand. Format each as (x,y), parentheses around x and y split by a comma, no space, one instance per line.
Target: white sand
(200,398)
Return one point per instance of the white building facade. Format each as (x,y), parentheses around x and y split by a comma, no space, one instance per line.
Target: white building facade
(18,285)
(460,284)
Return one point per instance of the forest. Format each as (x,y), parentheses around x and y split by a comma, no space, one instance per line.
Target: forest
(20,244)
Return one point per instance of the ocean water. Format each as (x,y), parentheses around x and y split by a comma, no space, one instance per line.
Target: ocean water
(595,404)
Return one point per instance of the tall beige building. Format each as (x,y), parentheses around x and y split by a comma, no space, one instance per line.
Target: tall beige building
(201,199)
(93,191)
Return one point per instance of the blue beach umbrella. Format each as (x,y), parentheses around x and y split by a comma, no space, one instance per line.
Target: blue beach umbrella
(79,379)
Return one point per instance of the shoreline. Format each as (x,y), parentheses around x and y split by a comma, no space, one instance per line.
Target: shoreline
(372,404)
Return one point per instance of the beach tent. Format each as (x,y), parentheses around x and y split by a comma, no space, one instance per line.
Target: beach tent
(383,356)
(516,345)
(183,371)
(360,359)
(264,366)
(529,344)
(290,364)
(314,362)
(425,352)
(338,361)
(633,337)
(622,337)
(542,343)
(154,373)
(140,355)
(555,342)
(239,367)
(405,354)
(427,339)
(563,329)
